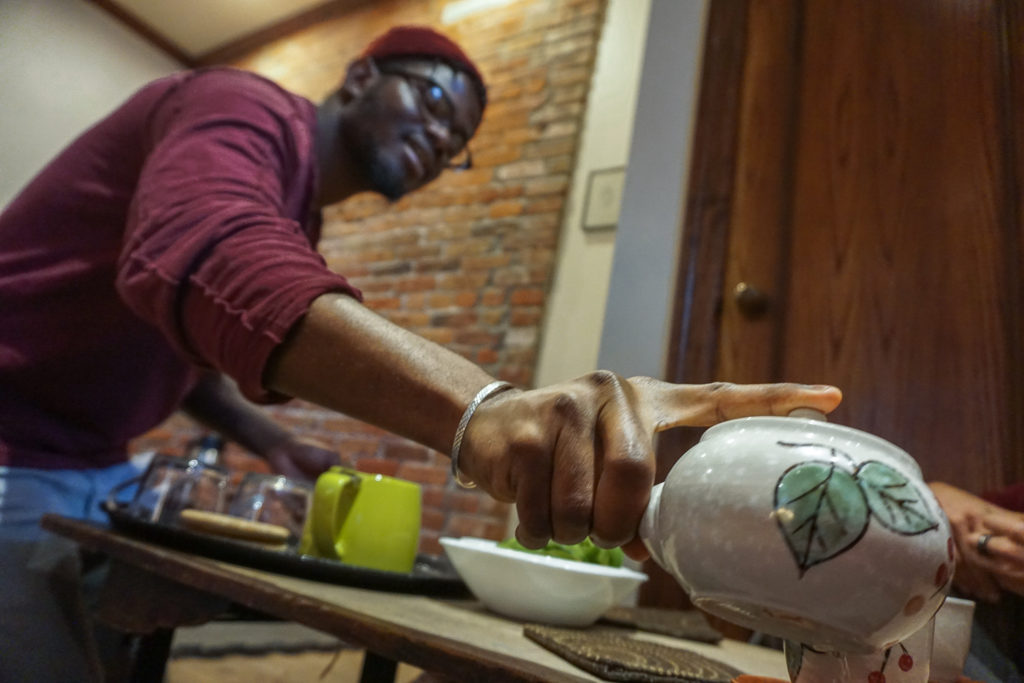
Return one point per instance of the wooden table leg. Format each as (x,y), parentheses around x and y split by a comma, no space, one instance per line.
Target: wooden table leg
(150,658)
(377,669)
(148,608)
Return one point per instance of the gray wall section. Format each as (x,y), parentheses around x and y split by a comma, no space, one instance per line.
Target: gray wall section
(64,64)
(637,317)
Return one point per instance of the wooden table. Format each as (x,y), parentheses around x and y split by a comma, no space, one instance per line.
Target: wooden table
(152,589)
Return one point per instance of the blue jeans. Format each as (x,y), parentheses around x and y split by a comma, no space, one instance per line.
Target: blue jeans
(45,630)
(26,494)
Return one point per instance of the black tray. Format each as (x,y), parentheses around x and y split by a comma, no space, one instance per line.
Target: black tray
(431,575)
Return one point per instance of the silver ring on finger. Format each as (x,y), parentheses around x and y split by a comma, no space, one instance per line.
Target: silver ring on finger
(983,545)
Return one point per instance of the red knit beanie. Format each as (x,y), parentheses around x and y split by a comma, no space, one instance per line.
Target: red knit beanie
(421,41)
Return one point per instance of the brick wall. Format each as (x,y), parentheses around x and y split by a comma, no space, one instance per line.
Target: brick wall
(466,262)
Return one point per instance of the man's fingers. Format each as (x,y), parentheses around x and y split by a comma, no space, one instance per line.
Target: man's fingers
(636,550)
(572,482)
(533,476)
(627,473)
(702,405)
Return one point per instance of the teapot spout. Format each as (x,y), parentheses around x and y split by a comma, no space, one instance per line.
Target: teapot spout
(649,526)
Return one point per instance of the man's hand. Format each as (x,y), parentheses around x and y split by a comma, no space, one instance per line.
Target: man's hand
(1001,567)
(577,458)
(301,459)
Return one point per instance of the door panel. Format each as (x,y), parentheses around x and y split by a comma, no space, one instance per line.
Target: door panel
(862,168)
(873,181)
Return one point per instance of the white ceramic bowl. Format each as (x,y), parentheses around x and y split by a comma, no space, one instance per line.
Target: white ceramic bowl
(538,588)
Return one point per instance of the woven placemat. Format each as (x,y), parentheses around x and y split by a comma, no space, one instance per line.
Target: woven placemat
(690,624)
(612,655)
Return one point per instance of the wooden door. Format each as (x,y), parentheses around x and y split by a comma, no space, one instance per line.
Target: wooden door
(856,175)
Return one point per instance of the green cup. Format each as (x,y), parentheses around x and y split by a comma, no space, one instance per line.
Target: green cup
(363,519)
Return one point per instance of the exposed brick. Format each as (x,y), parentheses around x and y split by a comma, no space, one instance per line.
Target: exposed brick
(553,111)
(512,276)
(493,297)
(388,468)
(382,303)
(435,265)
(549,147)
(559,164)
(516,375)
(375,285)
(572,93)
(359,449)
(476,337)
(433,496)
(568,75)
(519,317)
(496,156)
(527,296)
(455,319)
(487,356)
(505,209)
(496,229)
(469,526)
(522,169)
(538,257)
(415,283)
(464,247)
(547,185)
(492,317)
(487,262)
(443,336)
(415,253)
(545,204)
(423,473)
(429,543)
(459,500)
(440,299)
(432,519)
(521,337)
(462,280)
(407,451)
(391,268)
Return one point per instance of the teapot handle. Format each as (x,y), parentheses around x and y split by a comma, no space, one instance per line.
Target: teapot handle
(808,414)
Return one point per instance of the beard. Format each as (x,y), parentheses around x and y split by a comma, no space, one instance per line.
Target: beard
(384,174)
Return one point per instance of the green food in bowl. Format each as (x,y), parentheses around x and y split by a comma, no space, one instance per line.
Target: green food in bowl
(584,551)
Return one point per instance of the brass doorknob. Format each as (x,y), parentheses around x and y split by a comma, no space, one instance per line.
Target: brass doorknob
(752,302)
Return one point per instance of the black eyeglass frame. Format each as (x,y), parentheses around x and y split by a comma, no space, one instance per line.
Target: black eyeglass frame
(412,75)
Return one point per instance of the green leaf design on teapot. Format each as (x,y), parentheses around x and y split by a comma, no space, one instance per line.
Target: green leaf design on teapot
(823,507)
(821,511)
(894,500)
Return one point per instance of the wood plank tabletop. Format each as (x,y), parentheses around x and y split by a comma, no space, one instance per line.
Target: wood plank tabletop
(457,637)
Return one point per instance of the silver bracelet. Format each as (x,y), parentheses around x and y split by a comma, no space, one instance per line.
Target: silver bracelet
(481,396)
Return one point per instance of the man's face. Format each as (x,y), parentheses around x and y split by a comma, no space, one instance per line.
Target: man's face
(412,122)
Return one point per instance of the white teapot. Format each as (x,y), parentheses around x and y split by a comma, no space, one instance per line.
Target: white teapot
(813,532)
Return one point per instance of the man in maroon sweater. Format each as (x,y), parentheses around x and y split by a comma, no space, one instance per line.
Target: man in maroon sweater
(167,259)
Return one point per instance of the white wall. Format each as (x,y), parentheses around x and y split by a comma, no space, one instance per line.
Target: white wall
(63,65)
(576,303)
(634,337)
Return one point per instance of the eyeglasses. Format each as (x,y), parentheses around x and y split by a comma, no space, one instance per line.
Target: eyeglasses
(435,103)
